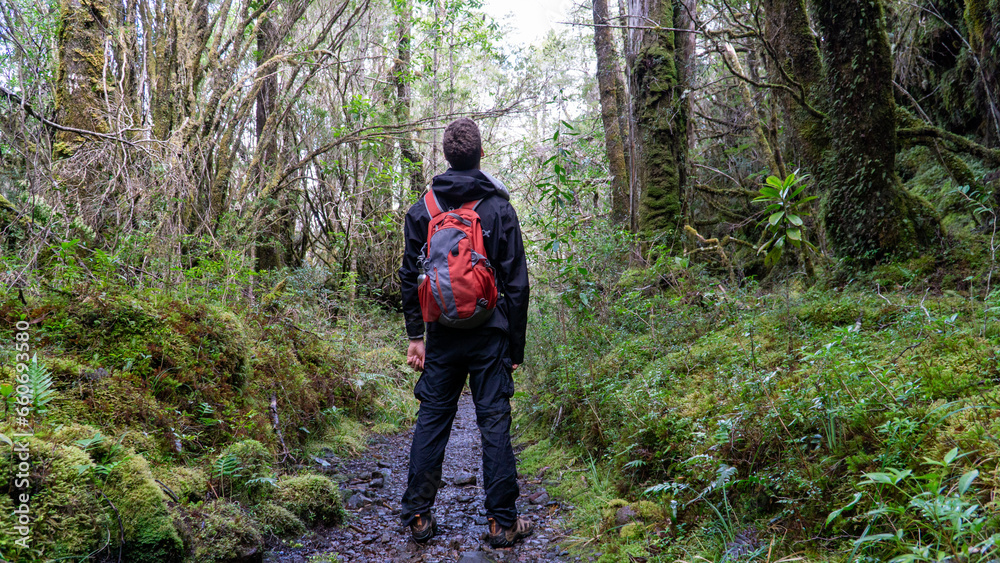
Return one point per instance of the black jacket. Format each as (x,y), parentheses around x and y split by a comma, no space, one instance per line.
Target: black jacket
(504,248)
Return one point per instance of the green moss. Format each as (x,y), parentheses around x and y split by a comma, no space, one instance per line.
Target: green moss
(150,535)
(649,511)
(632,531)
(278,521)
(312,498)
(662,126)
(346,437)
(255,468)
(68,519)
(189,484)
(223,532)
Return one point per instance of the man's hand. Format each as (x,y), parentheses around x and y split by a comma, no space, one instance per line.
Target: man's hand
(513,367)
(415,354)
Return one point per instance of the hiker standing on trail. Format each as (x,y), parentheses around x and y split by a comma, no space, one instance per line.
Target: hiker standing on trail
(468,281)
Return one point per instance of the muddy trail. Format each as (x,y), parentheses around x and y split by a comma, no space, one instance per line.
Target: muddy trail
(373,489)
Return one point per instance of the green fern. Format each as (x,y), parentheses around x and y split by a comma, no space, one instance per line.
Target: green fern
(227,467)
(40,382)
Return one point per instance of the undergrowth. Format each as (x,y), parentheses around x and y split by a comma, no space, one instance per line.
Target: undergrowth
(749,414)
(162,409)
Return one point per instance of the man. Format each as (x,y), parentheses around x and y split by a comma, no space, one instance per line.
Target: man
(488,353)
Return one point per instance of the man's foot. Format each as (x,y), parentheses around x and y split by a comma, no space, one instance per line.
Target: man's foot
(423,528)
(506,537)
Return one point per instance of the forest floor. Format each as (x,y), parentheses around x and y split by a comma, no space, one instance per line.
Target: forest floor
(374,485)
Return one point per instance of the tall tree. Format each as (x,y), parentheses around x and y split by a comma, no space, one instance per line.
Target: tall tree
(794,61)
(661,116)
(80,83)
(982,17)
(867,213)
(611,93)
(274,247)
(413,164)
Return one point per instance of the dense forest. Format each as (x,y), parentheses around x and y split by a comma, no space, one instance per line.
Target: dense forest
(762,238)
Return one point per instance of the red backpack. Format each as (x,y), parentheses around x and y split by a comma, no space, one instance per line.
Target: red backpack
(458,285)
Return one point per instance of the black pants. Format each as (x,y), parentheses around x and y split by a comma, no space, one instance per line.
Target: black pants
(451,354)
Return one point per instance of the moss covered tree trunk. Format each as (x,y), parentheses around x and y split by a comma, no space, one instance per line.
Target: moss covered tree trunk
(982,17)
(867,213)
(794,60)
(661,116)
(413,162)
(80,85)
(274,247)
(611,91)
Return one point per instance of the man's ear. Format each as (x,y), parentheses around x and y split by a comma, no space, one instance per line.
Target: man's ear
(482,153)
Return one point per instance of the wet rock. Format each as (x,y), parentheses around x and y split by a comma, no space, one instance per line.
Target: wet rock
(465,498)
(625,515)
(476,557)
(376,483)
(541,497)
(463,478)
(357,501)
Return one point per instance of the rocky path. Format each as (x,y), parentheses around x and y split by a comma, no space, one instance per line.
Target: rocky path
(376,484)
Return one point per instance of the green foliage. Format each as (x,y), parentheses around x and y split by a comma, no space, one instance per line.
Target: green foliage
(224,532)
(244,471)
(785,210)
(933,516)
(667,378)
(314,499)
(278,521)
(40,392)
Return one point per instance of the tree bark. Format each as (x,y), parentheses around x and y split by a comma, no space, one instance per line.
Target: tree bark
(413,164)
(868,215)
(982,17)
(763,145)
(275,241)
(661,118)
(611,91)
(80,86)
(794,59)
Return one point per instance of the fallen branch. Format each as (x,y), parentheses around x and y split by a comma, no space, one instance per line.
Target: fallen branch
(277,426)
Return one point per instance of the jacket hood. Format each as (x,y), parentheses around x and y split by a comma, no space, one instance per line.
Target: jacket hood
(459,186)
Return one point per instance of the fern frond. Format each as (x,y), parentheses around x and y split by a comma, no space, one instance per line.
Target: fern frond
(40,382)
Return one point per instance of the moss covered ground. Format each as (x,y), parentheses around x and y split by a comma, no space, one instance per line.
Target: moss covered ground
(750,416)
(159,440)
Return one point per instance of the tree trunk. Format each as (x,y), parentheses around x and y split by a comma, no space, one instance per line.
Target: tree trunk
(763,145)
(274,241)
(982,17)
(867,213)
(610,86)
(80,85)
(661,117)
(794,59)
(413,165)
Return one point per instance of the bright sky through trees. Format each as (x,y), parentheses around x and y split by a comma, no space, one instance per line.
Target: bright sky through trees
(529,20)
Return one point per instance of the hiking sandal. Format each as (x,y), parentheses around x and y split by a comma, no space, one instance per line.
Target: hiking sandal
(506,537)
(423,528)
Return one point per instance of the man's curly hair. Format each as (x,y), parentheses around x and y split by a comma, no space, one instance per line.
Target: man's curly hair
(462,144)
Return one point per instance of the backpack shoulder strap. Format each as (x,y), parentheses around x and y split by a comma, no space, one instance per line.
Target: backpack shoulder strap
(433,205)
(472,204)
